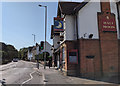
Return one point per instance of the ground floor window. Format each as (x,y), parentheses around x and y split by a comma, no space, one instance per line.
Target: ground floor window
(73,56)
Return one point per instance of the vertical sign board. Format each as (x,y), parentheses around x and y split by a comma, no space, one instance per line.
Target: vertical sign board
(107,22)
(52,32)
(73,56)
(58,24)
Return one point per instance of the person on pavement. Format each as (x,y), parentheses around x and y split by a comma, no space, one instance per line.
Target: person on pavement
(50,62)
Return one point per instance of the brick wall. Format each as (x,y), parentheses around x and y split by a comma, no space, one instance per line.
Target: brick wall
(119,58)
(90,67)
(109,47)
(104,52)
(108,42)
(71,69)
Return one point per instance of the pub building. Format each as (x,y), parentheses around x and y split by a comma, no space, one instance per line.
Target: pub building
(89,43)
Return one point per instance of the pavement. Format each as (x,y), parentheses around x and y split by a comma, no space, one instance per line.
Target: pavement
(24,73)
(53,76)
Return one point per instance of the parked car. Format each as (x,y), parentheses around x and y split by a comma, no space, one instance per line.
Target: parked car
(15,60)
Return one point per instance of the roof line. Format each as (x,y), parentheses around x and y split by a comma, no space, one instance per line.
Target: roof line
(76,9)
(60,8)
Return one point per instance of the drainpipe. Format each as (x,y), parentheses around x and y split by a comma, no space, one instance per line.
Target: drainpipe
(78,43)
(118,17)
(76,27)
(119,36)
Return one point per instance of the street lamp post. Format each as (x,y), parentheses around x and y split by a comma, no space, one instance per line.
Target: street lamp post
(37,60)
(45,33)
(34,37)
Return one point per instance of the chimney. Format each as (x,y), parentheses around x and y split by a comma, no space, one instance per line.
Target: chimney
(105,6)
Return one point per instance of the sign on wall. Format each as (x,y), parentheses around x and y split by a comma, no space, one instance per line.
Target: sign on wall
(58,24)
(73,56)
(107,22)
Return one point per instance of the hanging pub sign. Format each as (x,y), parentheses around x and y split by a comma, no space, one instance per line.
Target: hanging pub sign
(107,22)
(58,24)
(73,56)
(52,32)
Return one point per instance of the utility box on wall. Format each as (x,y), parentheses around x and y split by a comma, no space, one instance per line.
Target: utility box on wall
(73,56)
(72,67)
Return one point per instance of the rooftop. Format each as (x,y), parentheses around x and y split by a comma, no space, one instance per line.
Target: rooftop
(67,7)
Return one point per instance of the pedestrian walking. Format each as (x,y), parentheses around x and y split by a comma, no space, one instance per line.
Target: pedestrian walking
(38,64)
(50,62)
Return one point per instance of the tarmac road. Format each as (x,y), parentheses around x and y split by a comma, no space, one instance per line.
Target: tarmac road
(24,73)
(20,72)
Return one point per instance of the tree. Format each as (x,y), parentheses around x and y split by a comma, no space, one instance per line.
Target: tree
(12,52)
(39,57)
(47,54)
(22,54)
(7,53)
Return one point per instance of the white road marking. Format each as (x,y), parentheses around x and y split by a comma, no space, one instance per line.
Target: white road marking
(44,80)
(31,77)
(8,66)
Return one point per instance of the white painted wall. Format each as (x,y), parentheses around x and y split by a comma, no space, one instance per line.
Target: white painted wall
(69,26)
(114,10)
(37,50)
(55,40)
(48,48)
(1,22)
(87,20)
(30,55)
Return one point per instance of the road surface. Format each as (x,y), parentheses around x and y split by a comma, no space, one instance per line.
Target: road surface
(20,72)
(24,73)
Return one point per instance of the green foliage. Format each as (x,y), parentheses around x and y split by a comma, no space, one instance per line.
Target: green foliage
(10,48)
(7,53)
(49,56)
(41,56)
(22,54)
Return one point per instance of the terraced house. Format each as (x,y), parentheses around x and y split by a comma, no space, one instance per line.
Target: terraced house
(89,44)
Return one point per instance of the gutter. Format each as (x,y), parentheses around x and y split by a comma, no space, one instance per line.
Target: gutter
(76,9)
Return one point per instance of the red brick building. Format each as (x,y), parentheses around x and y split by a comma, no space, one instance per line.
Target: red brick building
(91,44)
